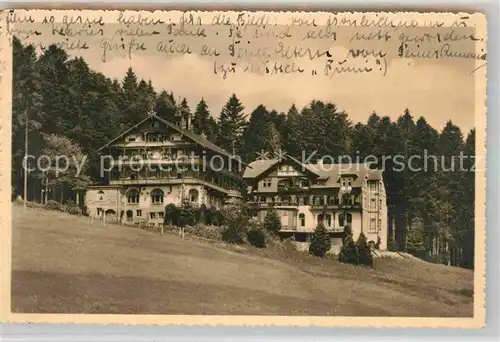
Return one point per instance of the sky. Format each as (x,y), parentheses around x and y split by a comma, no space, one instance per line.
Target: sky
(439,90)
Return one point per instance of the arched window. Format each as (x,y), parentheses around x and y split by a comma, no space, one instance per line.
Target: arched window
(100,195)
(321,217)
(133,196)
(341,220)
(328,219)
(302,218)
(157,196)
(129,215)
(193,195)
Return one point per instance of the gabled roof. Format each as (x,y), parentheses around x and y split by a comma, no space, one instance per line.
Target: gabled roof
(258,167)
(329,172)
(195,137)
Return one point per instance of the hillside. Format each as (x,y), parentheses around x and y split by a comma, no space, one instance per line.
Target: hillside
(63,264)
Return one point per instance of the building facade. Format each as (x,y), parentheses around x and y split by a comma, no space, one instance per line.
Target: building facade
(305,194)
(157,162)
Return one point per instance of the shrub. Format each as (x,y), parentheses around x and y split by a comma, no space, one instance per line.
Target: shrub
(364,251)
(54,205)
(256,236)
(349,252)
(207,232)
(272,222)
(70,203)
(171,214)
(235,225)
(377,244)
(201,214)
(211,216)
(186,214)
(320,241)
(74,210)
(391,245)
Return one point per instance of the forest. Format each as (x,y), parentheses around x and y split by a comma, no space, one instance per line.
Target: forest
(73,110)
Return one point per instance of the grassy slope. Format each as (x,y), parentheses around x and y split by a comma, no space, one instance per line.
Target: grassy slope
(62,264)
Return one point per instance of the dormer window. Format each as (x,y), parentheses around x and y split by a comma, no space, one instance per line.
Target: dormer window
(131,139)
(266,183)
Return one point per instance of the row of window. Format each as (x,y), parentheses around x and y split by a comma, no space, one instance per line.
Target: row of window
(157,195)
(316,200)
(343,219)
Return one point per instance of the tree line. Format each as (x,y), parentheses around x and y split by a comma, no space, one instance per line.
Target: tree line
(74,109)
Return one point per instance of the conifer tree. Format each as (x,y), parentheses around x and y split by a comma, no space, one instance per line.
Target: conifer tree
(320,241)
(348,252)
(364,251)
(272,222)
(231,124)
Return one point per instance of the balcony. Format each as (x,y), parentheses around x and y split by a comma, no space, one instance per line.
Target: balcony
(180,160)
(292,189)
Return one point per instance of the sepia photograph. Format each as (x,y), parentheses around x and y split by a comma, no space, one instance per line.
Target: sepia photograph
(225,163)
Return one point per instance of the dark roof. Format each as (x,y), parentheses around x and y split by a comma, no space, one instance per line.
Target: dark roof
(329,172)
(195,137)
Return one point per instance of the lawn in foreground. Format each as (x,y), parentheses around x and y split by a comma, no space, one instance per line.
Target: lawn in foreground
(63,264)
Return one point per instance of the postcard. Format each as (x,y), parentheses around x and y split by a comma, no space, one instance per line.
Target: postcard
(243,167)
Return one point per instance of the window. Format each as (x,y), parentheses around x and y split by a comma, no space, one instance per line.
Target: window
(373,186)
(373,204)
(263,199)
(133,176)
(99,211)
(328,219)
(131,139)
(157,196)
(133,196)
(160,214)
(302,218)
(179,175)
(345,219)
(379,224)
(306,200)
(321,218)
(139,212)
(266,183)
(373,227)
(100,195)
(129,215)
(193,195)
(152,216)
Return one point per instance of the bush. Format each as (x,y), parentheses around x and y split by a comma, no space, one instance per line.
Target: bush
(320,241)
(235,225)
(377,244)
(348,253)
(201,214)
(207,232)
(364,251)
(171,216)
(256,237)
(74,210)
(54,205)
(187,214)
(272,222)
(391,245)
